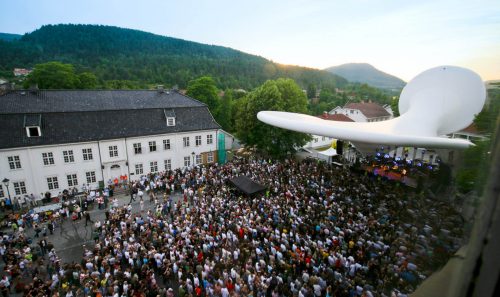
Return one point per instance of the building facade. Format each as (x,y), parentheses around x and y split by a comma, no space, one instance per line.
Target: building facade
(56,140)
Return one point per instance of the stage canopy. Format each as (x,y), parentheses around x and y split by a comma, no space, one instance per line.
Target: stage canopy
(247,186)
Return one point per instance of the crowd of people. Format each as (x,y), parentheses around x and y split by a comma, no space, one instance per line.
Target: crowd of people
(316,231)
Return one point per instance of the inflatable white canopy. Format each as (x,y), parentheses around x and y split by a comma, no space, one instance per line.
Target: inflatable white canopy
(436,102)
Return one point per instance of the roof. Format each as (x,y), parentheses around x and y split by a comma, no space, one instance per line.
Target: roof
(44,101)
(93,124)
(471,129)
(335,117)
(369,109)
(246,185)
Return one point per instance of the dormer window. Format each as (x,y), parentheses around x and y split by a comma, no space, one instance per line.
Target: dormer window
(170,117)
(33,131)
(32,124)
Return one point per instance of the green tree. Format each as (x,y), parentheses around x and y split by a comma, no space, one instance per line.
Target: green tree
(395,106)
(311,91)
(277,95)
(225,112)
(205,90)
(53,75)
(87,80)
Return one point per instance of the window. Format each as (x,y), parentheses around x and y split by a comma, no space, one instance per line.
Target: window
(198,140)
(20,188)
(154,166)
(210,139)
(170,121)
(1,192)
(138,169)
(185,140)
(137,148)
(113,151)
(152,146)
(168,164)
(187,161)
(48,158)
(72,181)
(166,144)
(352,111)
(210,157)
(68,156)
(90,177)
(52,183)
(33,131)
(14,162)
(87,154)
(198,159)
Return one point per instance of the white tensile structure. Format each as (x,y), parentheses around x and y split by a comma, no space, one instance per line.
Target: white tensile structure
(437,102)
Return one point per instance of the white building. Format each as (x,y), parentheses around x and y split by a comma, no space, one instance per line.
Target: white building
(56,140)
(318,141)
(364,111)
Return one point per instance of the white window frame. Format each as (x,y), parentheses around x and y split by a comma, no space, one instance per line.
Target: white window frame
(210,139)
(52,183)
(152,146)
(68,156)
(91,177)
(87,154)
(153,165)
(14,162)
(166,144)
(113,151)
(168,164)
(2,193)
(185,141)
(28,131)
(139,169)
(72,179)
(19,187)
(198,159)
(170,121)
(187,161)
(137,148)
(210,157)
(197,140)
(48,158)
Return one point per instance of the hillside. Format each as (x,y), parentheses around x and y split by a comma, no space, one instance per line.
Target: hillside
(114,53)
(366,73)
(9,36)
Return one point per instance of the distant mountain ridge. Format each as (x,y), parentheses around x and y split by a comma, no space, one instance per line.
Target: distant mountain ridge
(366,73)
(9,36)
(114,53)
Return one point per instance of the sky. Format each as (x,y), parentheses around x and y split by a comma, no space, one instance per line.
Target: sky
(402,38)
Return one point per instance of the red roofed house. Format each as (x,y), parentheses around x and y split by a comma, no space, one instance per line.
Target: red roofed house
(323,141)
(364,112)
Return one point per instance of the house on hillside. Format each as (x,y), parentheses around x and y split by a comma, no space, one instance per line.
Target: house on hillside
(364,111)
(53,140)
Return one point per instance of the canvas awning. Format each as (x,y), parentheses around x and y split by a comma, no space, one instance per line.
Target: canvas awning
(247,186)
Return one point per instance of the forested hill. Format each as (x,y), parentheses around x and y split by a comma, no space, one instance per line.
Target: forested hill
(113,53)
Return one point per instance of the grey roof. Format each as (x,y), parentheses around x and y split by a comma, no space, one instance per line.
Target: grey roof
(43,101)
(99,124)
(31,120)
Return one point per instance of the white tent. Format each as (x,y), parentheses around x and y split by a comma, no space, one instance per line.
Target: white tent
(329,152)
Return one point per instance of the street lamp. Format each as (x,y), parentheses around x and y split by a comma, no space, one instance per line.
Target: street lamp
(192,154)
(6,181)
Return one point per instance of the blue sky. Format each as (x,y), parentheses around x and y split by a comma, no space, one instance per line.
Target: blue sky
(399,37)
